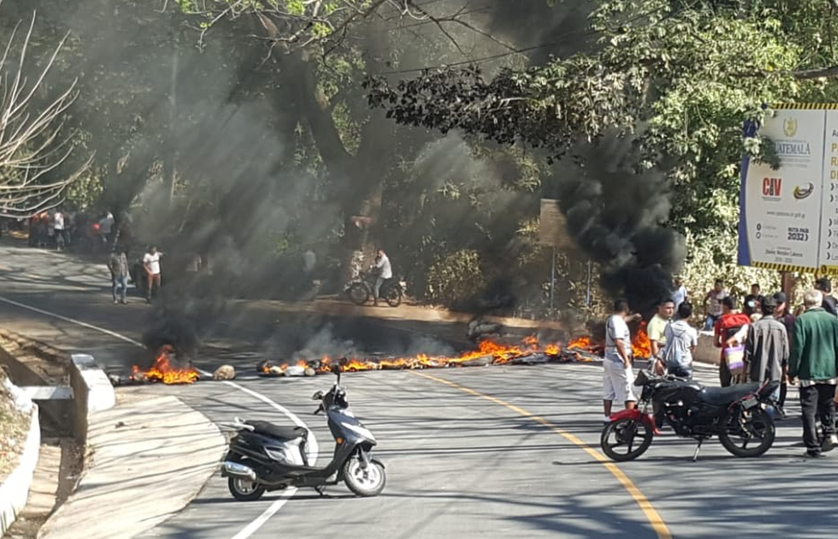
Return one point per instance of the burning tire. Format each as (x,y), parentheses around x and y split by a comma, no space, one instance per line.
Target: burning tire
(358,293)
(365,482)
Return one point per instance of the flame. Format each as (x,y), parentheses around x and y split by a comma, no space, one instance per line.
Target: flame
(640,345)
(583,343)
(164,371)
(496,353)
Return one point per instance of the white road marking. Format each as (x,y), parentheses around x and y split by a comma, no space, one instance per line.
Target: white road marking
(257,523)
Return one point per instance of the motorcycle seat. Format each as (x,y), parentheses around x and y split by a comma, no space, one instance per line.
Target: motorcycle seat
(721,396)
(275,431)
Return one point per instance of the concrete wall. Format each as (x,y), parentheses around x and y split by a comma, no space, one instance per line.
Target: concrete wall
(56,413)
(705,352)
(15,488)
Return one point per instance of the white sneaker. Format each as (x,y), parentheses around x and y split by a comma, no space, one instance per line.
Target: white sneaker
(606,419)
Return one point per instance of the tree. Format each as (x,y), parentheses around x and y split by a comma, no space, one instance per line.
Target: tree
(680,76)
(32,145)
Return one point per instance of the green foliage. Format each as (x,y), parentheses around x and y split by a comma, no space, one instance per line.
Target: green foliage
(455,278)
(714,257)
(683,76)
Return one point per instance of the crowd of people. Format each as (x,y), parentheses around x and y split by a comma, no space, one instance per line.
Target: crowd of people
(57,229)
(763,342)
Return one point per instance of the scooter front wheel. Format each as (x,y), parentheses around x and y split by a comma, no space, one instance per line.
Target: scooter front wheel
(364,481)
(244,490)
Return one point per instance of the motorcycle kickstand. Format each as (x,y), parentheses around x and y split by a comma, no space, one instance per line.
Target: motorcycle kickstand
(321,489)
(697,449)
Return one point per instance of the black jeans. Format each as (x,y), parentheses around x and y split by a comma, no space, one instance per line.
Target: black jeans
(817,402)
(724,374)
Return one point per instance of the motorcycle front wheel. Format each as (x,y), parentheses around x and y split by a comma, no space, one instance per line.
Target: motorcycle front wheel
(626,439)
(754,428)
(363,481)
(358,293)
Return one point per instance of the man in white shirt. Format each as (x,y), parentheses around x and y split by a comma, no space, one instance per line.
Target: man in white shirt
(58,225)
(384,271)
(617,376)
(106,227)
(679,296)
(151,264)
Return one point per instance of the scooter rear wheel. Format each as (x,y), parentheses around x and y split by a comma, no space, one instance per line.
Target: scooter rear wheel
(244,490)
(362,481)
(625,439)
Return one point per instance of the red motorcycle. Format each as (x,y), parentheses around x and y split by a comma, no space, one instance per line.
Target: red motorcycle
(737,414)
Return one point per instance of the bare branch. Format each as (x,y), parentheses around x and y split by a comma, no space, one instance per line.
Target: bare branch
(824,73)
(31,142)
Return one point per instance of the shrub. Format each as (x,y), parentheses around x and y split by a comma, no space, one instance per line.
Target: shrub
(455,278)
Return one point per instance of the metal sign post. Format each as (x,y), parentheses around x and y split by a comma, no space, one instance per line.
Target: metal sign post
(552,231)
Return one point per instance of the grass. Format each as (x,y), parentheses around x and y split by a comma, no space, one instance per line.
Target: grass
(14,426)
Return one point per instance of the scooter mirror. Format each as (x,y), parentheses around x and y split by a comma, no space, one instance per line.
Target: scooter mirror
(317,396)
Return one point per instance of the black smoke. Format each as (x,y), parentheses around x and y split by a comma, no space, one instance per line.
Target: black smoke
(542,30)
(617,213)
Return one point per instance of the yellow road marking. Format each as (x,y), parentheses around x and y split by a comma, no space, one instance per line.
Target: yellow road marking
(654,518)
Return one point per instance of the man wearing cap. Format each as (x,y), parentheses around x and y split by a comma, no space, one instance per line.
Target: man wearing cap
(767,346)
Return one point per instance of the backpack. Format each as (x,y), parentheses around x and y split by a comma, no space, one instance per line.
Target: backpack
(674,351)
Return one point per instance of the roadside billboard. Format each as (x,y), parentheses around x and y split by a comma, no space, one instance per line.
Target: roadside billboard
(789,216)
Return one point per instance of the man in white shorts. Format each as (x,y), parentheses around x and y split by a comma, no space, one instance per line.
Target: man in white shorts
(617,376)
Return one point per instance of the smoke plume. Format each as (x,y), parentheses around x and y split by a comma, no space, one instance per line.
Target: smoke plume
(617,215)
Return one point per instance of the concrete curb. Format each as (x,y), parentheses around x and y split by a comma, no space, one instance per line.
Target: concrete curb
(151,455)
(14,491)
(92,392)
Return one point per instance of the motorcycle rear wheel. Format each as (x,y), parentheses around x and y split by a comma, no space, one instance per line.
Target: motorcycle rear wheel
(393,295)
(758,425)
(364,482)
(358,293)
(624,433)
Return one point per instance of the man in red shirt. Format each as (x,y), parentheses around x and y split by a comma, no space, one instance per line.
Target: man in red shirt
(727,326)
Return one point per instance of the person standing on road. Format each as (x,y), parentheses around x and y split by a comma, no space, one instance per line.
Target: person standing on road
(118,264)
(783,314)
(384,273)
(767,347)
(151,264)
(106,228)
(617,376)
(730,332)
(814,362)
(58,225)
(657,325)
(715,311)
(681,340)
(830,304)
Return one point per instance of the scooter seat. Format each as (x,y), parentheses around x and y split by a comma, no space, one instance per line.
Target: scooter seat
(275,431)
(721,396)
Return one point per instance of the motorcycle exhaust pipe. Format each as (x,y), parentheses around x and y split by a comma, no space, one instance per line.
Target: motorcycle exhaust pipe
(234,469)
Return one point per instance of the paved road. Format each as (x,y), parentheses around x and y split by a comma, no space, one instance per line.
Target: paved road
(459,465)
